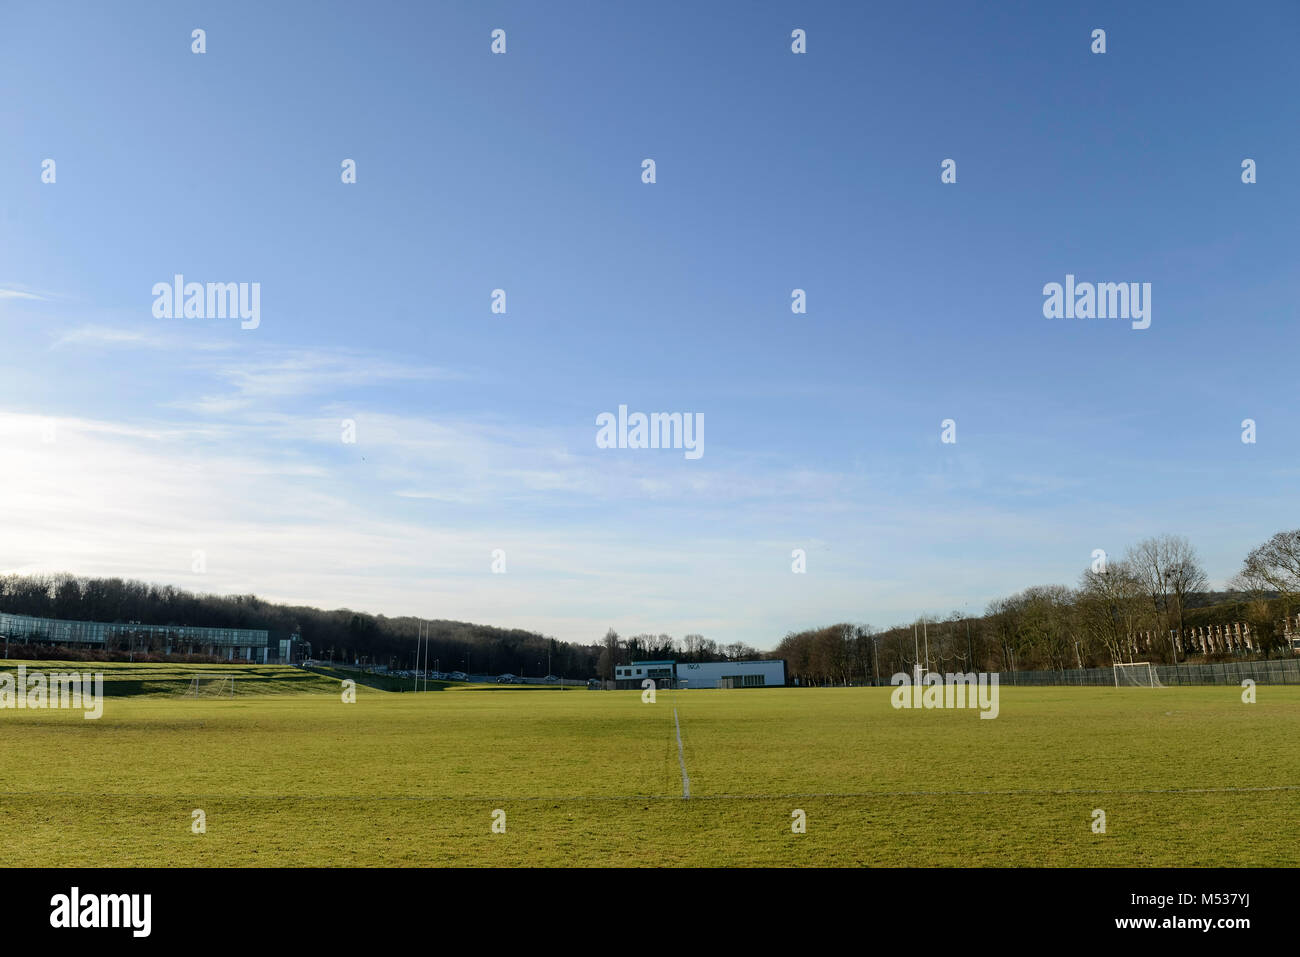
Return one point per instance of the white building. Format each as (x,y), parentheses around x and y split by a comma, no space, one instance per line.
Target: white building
(704,674)
(631,676)
(731,674)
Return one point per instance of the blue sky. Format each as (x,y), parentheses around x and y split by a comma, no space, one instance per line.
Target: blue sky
(522,171)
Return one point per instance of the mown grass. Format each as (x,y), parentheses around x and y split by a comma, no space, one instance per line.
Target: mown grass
(127,679)
(384,682)
(380,681)
(593,778)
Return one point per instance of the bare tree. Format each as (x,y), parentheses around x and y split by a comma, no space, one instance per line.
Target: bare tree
(608,655)
(864,651)
(1110,604)
(1003,615)
(1270,569)
(1186,577)
(1158,563)
(1274,566)
(1046,624)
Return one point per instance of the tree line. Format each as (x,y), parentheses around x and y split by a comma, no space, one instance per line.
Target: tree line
(341,635)
(1158,587)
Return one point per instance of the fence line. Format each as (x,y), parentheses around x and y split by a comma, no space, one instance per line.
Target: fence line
(1285,671)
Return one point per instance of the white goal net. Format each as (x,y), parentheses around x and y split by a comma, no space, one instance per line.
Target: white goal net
(210,686)
(1136,674)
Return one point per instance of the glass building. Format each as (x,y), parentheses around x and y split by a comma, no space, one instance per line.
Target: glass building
(252,644)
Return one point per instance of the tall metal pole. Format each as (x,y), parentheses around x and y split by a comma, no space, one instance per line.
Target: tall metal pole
(416,677)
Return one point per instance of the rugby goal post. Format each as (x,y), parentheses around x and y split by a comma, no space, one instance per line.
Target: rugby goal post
(1136,674)
(207,686)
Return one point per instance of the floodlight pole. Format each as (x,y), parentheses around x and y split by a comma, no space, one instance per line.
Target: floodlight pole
(927,644)
(415,678)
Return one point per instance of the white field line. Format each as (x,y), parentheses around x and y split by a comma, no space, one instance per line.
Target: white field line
(686,781)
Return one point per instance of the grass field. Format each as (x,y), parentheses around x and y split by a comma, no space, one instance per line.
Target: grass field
(293,776)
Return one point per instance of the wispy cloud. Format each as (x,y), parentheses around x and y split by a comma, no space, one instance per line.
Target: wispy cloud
(108,336)
(11,293)
(304,372)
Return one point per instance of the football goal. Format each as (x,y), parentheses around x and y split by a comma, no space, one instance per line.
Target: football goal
(208,686)
(1136,674)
